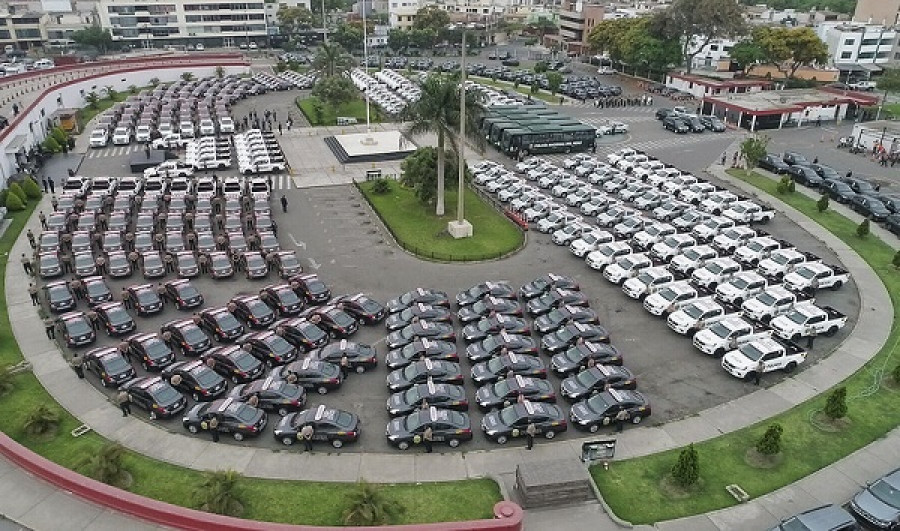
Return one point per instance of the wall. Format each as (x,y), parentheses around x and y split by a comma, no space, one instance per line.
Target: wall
(768,71)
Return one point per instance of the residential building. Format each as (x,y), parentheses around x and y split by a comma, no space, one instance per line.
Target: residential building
(858,48)
(576,20)
(402,13)
(272,12)
(764,15)
(702,87)
(214,23)
(23,29)
(66,18)
(713,55)
(885,12)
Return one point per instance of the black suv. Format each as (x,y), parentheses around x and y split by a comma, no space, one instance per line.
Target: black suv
(184,294)
(115,318)
(109,365)
(676,125)
(233,362)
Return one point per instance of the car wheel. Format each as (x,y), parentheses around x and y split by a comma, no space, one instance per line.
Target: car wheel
(837,285)
(322,390)
(403,445)
(360,369)
(831,331)
(636,419)
(287,441)
(594,428)
(550,434)
(153,415)
(738,301)
(337,443)
(333,335)
(193,429)
(282,411)
(103,383)
(238,436)
(195,396)
(502,439)
(790,367)
(453,443)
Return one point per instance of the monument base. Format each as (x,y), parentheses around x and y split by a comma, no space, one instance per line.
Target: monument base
(376,146)
(460,229)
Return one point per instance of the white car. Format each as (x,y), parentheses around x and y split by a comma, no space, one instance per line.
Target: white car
(187,129)
(143,133)
(667,299)
(170,168)
(121,136)
(606,70)
(607,253)
(170,141)
(612,128)
(626,267)
(165,129)
(226,124)
(248,167)
(207,127)
(590,241)
(99,138)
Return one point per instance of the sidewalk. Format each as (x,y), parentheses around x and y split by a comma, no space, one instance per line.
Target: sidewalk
(93,408)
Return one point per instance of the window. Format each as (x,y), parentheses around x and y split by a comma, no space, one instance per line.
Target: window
(849,42)
(866,55)
(846,55)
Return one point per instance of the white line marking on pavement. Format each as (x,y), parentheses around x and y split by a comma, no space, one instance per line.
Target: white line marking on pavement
(297,243)
(313,264)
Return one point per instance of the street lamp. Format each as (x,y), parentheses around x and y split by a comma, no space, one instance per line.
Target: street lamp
(362,5)
(460,228)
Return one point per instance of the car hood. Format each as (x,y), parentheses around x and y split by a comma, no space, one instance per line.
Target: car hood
(867,502)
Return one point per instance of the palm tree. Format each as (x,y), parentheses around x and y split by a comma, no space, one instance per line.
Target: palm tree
(332,60)
(369,506)
(7,380)
(187,76)
(218,493)
(437,111)
(41,420)
(105,465)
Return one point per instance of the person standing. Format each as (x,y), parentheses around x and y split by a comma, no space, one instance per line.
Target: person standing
(33,292)
(31,240)
(77,365)
(530,432)
(757,374)
(621,417)
(94,319)
(54,202)
(345,366)
(428,439)
(284,204)
(124,400)
(43,219)
(50,328)
(27,266)
(52,185)
(214,428)
(306,434)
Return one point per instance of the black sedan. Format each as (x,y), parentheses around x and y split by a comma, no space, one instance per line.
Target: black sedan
(501,344)
(109,365)
(510,390)
(422,371)
(489,306)
(59,296)
(151,352)
(76,329)
(445,396)
(595,379)
(540,285)
(446,425)
(419,329)
(283,299)
(577,357)
(271,394)
(311,288)
(302,333)
(195,378)
(838,190)
(255,265)
(234,363)
(184,294)
(220,265)
(253,311)
(287,264)
(512,421)
(878,504)
(188,336)
(237,418)
(84,263)
(118,265)
(269,348)
(48,265)
(333,320)
(573,333)
(418,296)
(152,264)
(479,291)
(96,290)
(145,299)
(115,318)
(186,264)
(312,374)
(559,317)
(363,308)
(419,349)
(602,408)
(773,163)
(360,357)
(892,223)
(869,207)
(508,365)
(805,176)
(334,426)
(494,324)
(155,395)
(825,172)
(420,312)
(555,298)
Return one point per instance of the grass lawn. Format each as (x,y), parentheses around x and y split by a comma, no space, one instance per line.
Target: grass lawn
(806,448)
(297,502)
(354,109)
(421,232)
(892,109)
(86,114)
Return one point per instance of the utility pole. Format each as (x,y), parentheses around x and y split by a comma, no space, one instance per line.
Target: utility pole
(460,199)
(362,5)
(324,24)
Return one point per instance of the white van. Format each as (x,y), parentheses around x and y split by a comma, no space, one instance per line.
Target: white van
(43,64)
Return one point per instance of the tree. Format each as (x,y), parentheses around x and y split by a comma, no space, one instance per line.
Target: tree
(790,48)
(696,23)
(431,17)
(218,493)
(41,420)
(16,190)
(398,39)
(770,443)
(132,89)
(540,67)
(822,203)
(420,173)
(423,38)
(291,20)
(220,72)
(862,230)
(334,91)
(369,506)
(92,99)
(746,54)
(554,80)
(632,41)
(154,81)
(187,76)
(349,36)
(686,471)
(331,59)
(105,465)
(94,36)
(753,149)
(111,94)
(888,81)
(542,26)
(31,188)
(14,204)
(836,405)
(785,185)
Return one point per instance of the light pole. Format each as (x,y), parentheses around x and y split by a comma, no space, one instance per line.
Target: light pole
(324,24)
(362,5)
(460,228)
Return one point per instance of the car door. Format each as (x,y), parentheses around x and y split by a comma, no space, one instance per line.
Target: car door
(141,398)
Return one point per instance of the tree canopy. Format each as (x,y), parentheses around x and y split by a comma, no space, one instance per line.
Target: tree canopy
(431,17)
(94,36)
(420,172)
(334,90)
(839,6)
(747,53)
(790,48)
(331,59)
(631,41)
(293,19)
(696,23)
(350,36)
(889,81)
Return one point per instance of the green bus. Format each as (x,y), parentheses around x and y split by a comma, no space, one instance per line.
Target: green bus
(560,139)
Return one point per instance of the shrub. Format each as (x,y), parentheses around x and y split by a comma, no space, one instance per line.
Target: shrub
(16,189)
(895,261)
(104,465)
(770,443)
(59,135)
(31,188)
(369,506)
(14,204)
(540,67)
(51,145)
(7,380)
(3,194)
(132,89)
(895,374)
(41,420)
(218,493)
(784,185)
(822,203)
(381,187)
(863,229)
(154,81)
(686,471)
(836,405)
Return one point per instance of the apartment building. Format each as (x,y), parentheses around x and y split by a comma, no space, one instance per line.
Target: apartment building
(856,47)
(23,28)
(576,20)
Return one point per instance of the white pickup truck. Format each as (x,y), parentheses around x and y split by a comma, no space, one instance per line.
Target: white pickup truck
(651,234)
(691,258)
(671,246)
(669,297)
(714,272)
(741,287)
(783,261)
(708,229)
(607,253)
(775,355)
(589,242)
(748,212)
(717,202)
(647,281)
(696,316)
(696,192)
(730,239)
(754,250)
(815,276)
(770,303)
(806,320)
(627,267)
(722,336)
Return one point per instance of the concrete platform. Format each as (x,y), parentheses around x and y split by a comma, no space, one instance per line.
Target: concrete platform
(375,146)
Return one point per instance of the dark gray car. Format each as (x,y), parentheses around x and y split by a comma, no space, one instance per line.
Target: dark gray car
(879,503)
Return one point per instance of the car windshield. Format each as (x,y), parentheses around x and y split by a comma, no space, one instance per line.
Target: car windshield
(766,298)
(720,330)
(164,394)
(740,283)
(311,331)
(118,315)
(258,308)
(885,492)
(242,412)
(226,321)
(668,294)
(806,273)
(205,377)
(221,261)
(714,268)
(278,345)
(155,348)
(186,291)
(565,335)
(77,327)
(508,416)
(341,318)
(751,352)
(97,288)
(780,258)
(797,317)
(115,364)
(587,378)
(244,361)
(693,311)
(147,297)
(193,334)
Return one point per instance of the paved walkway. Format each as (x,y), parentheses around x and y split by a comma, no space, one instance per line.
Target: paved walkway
(833,484)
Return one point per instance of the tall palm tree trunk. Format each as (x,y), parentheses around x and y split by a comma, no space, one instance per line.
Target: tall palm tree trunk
(439,210)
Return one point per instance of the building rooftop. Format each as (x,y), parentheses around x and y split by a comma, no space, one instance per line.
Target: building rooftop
(721,83)
(771,101)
